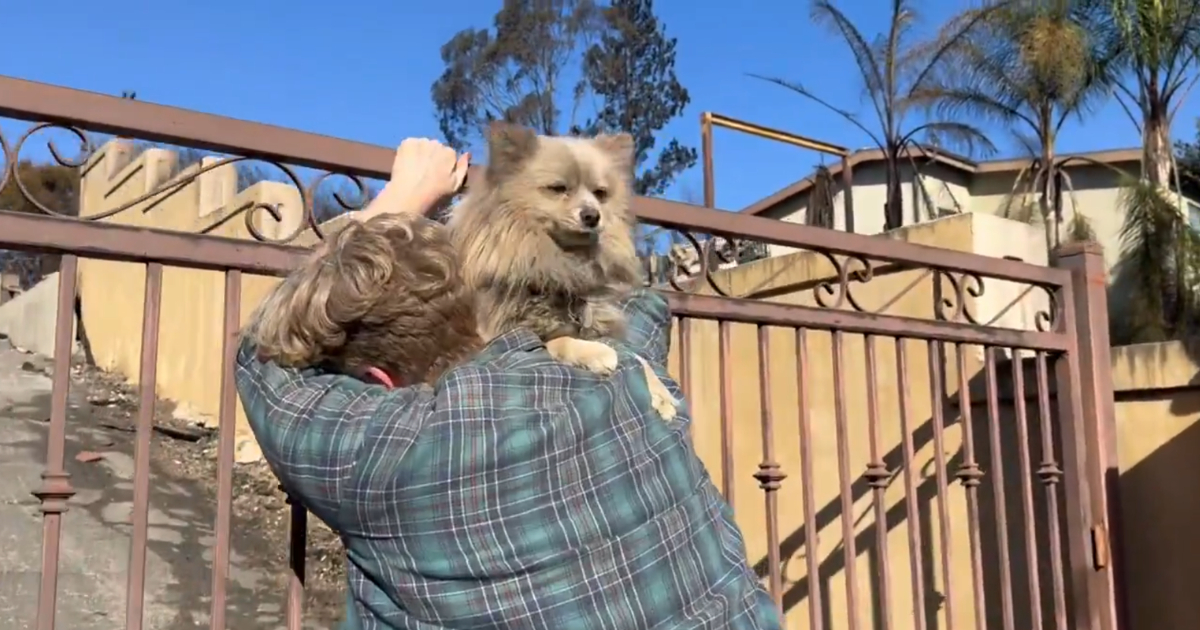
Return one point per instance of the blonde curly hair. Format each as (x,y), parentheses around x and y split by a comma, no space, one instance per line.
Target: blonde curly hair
(384,293)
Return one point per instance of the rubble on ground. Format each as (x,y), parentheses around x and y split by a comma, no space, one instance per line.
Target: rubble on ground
(185,452)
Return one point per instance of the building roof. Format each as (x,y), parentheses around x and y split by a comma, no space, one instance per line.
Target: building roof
(953,160)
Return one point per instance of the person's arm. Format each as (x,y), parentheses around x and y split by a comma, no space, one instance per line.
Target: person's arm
(312,426)
(648,320)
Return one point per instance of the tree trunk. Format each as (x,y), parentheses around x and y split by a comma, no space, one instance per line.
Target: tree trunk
(1156,148)
(893,209)
(1050,203)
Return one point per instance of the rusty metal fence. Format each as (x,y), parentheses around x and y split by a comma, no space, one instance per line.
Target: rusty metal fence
(1060,391)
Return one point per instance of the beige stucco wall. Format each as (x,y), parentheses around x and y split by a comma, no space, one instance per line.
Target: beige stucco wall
(1096,194)
(1158,447)
(947,188)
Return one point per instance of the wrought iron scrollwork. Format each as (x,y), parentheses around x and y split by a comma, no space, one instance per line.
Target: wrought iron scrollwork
(1047,320)
(955,306)
(840,287)
(710,255)
(250,212)
(693,263)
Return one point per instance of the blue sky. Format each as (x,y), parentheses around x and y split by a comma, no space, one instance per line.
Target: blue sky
(361,69)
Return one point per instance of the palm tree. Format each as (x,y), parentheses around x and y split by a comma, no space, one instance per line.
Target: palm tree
(1158,45)
(897,70)
(1158,41)
(1031,66)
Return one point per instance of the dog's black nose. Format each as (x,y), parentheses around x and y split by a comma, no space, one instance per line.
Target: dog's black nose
(589,217)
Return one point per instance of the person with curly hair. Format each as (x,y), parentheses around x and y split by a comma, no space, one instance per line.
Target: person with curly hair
(482,486)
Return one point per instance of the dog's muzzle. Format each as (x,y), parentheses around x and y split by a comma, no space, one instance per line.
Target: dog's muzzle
(589,217)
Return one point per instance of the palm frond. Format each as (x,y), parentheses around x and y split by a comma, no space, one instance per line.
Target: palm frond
(802,91)
(1160,259)
(962,137)
(825,12)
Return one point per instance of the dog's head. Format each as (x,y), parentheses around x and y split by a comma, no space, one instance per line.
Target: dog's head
(550,211)
(575,189)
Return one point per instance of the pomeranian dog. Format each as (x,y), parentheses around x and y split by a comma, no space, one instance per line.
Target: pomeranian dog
(546,242)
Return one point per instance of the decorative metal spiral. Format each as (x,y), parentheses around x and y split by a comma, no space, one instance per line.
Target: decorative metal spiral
(840,287)
(10,173)
(1047,320)
(955,307)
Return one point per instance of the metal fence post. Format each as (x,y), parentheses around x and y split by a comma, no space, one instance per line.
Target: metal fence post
(1089,282)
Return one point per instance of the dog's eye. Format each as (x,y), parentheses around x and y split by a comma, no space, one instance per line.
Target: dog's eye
(558,189)
(601,194)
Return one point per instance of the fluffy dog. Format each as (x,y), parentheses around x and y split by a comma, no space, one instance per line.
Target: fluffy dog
(546,243)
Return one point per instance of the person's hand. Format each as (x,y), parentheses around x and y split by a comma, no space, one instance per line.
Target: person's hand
(426,172)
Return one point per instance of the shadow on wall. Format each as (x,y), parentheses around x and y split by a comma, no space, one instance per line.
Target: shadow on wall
(1159,449)
(1011,539)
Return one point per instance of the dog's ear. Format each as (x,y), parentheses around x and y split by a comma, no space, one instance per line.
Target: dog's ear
(619,148)
(508,146)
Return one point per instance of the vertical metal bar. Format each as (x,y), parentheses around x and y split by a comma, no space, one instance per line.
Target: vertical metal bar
(878,477)
(1005,568)
(56,489)
(1088,586)
(136,592)
(726,375)
(1051,474)
(225,446)
(848,192)
(920,598)
(685,364)
(850,553)
(706,155)
(769,476)
(1023,457)
(970,475)
(937,392)
(297,550)
(812,544)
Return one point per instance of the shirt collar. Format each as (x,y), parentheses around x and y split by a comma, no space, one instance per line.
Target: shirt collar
(516,340)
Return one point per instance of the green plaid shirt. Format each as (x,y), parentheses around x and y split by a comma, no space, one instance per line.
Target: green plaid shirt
(515,493)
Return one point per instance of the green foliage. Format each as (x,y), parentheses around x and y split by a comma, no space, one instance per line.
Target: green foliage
(1079,229)
(55,187)
(1156,277)
(1157,42)
(1187,163)
(632,70)
(515,70)
(522,69)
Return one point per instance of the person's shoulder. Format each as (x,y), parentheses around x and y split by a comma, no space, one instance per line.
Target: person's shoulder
(522,376)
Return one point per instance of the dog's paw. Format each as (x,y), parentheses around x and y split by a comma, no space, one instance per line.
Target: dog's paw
(660,397)
(592,356)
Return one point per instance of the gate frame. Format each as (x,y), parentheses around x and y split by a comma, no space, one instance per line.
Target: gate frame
(1077,286)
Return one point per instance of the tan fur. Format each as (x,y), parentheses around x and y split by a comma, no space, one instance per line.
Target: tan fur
(385,293)
(528,256)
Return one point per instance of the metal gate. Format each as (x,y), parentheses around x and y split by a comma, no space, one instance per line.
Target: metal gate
(1034,525)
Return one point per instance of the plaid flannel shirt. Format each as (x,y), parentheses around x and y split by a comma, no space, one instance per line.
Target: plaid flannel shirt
(516,493)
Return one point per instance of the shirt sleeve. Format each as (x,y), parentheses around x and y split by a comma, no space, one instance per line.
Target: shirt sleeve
(312,426)
(648,319)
